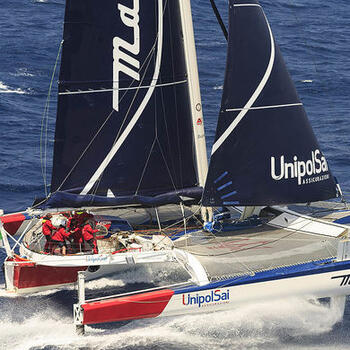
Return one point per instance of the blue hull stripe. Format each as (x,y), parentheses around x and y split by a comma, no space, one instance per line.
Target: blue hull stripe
(344,220)
(317,267)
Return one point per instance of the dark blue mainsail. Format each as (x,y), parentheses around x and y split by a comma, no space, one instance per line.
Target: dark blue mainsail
(265,151)
(124,129)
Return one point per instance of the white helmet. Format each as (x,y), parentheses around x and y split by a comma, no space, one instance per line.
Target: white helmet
(59,220)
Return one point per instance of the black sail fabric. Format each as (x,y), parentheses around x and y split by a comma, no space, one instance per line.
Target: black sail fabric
(265,151)
(124,128)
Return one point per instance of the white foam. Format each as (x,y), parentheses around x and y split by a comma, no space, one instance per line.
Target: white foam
(259,326)
(307,81)
(22,72)
(218,87)
(4,89)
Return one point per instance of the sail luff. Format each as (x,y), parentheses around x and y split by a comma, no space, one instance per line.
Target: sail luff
(194,91)
(195,97)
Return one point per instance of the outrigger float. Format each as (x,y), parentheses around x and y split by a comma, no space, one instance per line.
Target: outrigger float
(130,150)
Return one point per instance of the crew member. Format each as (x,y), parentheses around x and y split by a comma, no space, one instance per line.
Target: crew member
(58,238)
(88,235)
(48,230)
(76,234)
(82,216)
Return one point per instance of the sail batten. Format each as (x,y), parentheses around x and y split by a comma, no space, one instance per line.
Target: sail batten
(265,151)
(123,89)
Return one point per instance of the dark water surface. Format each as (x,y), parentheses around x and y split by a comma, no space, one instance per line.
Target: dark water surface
(314,37)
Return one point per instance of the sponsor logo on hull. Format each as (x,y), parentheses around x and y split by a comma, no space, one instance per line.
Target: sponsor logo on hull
(345,280)
(306,172)
(213,297)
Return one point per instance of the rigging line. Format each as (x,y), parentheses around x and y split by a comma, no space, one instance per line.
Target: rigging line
(85,150)
(166,164)
(145,65)
(145,167)
(171,46)
(138,112)
(258,89)
(148,61)
(44,124)
(81,92)
(175,223)
(148,95)
(104,123)
(149,58)
(154,140)
(219,19)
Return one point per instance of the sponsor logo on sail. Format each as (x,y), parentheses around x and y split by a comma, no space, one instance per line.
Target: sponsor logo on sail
(313,170)
(212,298)
(124,52)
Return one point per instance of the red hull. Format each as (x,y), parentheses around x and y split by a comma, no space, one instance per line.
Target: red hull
(24,275)
(145,305)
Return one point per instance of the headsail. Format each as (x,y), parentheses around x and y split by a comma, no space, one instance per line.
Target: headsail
(265,151)
(124,130)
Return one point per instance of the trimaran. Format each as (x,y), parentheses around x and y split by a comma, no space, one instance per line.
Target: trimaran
(130,150)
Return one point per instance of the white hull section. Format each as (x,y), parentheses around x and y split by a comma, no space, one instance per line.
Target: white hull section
(99,259)
(309,287)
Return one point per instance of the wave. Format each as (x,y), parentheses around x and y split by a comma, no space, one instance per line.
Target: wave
(22,72)
(4,89)
(292,324)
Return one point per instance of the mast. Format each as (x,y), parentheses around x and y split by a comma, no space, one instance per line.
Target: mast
(195,96)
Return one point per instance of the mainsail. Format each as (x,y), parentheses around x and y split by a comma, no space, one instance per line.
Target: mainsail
(124,132)
(265,151)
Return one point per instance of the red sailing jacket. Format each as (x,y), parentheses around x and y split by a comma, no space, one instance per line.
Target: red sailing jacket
(60,235)
(48,228)
(77,235)
(88,232)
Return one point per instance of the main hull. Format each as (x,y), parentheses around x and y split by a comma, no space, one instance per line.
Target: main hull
(327,279)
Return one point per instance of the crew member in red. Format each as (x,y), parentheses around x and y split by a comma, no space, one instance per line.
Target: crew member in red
(48,230)
(88,235)
(76,234)
(82,216)
(58,238)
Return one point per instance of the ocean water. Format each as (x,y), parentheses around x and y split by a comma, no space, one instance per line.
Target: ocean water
(315,40)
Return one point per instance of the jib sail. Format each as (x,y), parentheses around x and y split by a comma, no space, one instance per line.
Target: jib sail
(124,130)
(265,151)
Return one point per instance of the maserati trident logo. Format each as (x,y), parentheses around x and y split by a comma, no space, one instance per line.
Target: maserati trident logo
(313,170)
(124,52)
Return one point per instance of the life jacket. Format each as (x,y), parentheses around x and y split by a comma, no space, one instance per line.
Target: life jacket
(77,235)
(60,235)
(48,228)
(88,232)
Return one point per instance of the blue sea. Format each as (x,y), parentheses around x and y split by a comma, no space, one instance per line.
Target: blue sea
(314,38)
